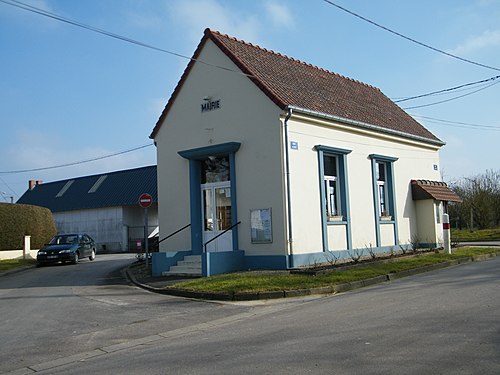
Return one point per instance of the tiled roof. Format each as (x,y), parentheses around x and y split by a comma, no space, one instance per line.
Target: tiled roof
(292,83)
(425,189)
(121,188)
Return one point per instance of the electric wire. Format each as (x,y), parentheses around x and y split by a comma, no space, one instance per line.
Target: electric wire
(77,162)
(43,12)
(457,123)
(446,91)
(409,38)
(449,100)
(57,17)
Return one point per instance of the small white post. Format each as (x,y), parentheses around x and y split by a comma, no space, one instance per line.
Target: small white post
(446,234)
(27,247)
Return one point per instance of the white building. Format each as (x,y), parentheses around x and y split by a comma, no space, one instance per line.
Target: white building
(299,162)
(105,206)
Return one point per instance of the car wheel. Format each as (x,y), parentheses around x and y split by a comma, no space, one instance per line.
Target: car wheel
(92,255)
(75,261)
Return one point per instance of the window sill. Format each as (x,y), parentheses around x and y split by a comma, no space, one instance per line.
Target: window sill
(336,220)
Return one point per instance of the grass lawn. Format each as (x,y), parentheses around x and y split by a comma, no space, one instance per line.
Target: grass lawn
(275,281)
(475,235)
(9,264)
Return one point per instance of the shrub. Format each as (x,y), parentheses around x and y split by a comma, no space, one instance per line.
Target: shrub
(18,220)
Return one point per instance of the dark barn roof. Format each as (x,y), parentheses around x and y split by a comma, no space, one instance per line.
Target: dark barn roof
(121,188)
(293,83)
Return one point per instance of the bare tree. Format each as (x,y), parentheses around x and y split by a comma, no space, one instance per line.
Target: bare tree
(481,201)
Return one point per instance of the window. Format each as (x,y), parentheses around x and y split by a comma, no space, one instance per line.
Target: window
(333,179)
(215,169)
(383,186)
(332,191)
(381,172)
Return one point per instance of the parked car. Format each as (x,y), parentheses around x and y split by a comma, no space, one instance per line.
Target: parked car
(67,248)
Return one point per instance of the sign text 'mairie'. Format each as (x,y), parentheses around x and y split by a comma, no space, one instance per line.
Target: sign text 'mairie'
(210,105)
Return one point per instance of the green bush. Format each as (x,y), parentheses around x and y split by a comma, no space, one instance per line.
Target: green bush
(18,220)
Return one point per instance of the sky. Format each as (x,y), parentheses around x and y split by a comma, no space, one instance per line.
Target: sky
(69,95)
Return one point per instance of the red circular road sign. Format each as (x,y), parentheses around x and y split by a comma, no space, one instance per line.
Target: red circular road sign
(145,200)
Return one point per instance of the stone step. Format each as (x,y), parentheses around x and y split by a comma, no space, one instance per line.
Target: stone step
(189,266)
(195,259)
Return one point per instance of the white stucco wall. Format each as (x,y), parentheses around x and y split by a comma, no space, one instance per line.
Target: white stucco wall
(415,161)
(429,229)
(246,116)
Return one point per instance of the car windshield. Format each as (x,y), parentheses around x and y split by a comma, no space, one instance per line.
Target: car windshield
(64,239)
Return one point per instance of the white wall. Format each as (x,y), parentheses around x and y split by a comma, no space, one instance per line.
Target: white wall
(246,116)
(416,161)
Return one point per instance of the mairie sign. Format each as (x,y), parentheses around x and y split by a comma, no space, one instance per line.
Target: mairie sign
(210,105)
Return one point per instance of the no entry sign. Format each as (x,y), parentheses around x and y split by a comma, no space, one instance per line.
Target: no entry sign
(145,200)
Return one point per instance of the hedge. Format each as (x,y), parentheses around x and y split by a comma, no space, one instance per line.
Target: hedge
(18,220)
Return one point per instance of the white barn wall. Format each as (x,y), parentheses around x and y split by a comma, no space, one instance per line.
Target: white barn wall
(104,225)
(107,226)
(246,116)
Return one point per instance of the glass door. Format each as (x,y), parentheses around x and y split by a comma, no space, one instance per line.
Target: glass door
(216,215)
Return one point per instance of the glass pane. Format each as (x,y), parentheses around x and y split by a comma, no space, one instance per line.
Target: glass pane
(381,193)
(215,169)
(223,208)
(332,207)
(380,171)
(330,165)
(208,221)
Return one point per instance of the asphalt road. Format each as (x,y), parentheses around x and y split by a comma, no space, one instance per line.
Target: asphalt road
(444,322)
(57,311)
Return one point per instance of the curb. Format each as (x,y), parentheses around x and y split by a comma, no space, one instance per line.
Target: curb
(16,270)
(329,289)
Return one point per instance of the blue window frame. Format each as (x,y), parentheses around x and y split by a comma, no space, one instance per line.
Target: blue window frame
(384,193)
(334,190)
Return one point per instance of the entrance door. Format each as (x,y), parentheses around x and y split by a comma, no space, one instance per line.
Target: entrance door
(216,207)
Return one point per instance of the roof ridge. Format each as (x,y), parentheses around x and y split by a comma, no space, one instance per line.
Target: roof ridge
(289,58)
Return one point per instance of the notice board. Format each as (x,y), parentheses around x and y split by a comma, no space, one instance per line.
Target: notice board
(261,225)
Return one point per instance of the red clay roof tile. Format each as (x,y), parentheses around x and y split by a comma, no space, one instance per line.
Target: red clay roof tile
(425,189)
(290,82)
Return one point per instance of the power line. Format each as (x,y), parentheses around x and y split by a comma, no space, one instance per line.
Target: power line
(410,39)
(457,123)
(77,162)
(449,100)
(45,13)
(446,90)
(8,187)
(57,17)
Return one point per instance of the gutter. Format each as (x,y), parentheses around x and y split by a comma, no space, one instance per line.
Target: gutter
(288,191)
(365,125)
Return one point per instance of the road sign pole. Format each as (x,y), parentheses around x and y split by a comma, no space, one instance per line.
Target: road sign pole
(146,236)
(145,200)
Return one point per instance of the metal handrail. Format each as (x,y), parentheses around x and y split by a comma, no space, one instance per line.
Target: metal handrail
(173,234)
(220,234)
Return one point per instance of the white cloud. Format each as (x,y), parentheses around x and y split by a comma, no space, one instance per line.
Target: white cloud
(195,16)
(279,14)
(487,40)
